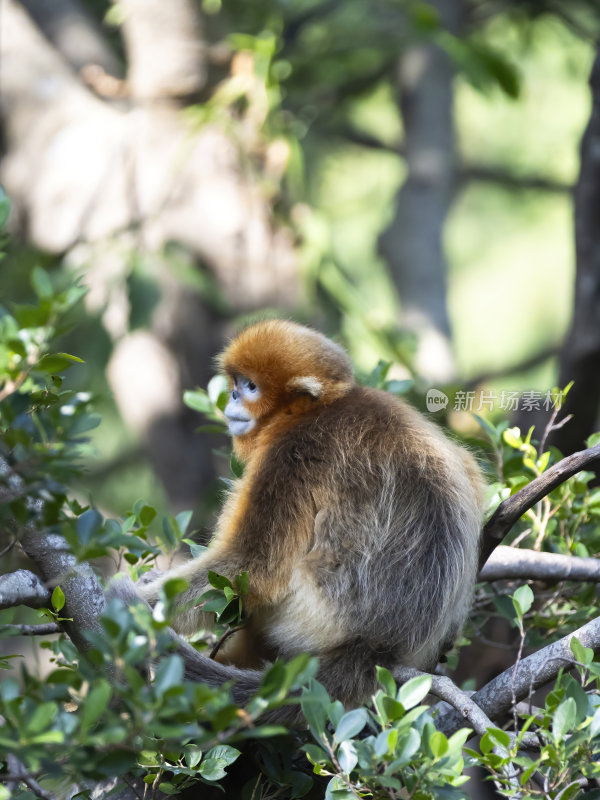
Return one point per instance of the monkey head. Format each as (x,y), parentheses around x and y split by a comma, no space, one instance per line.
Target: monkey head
(278,367)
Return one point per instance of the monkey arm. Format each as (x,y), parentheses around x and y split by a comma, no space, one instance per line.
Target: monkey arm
(264,529)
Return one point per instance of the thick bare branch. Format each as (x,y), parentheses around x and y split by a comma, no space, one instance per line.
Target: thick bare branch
(496,698)
(510,562)
(511,509)
(165,48)
(84,595)
(23,588)
(74,33)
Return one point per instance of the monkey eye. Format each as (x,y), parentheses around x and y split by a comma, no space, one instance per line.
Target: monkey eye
(251,386)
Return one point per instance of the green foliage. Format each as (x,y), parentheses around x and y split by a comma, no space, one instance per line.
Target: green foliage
(390,750)
(378,379)
(210,403)
(567,521)
(43,426)
(567,731)
(88,720)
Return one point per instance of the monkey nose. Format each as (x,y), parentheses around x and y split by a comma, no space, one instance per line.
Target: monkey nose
(235,395)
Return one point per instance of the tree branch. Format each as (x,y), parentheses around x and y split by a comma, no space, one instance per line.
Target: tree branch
(18,774)
(74,33)
(510,562)
(84,596)
(165,48)
(444,688)
(502,177)
(23,588)
(534,360)
(511,509)
(31,630)
(496,698)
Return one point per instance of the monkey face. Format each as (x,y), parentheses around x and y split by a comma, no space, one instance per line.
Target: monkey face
(239,417)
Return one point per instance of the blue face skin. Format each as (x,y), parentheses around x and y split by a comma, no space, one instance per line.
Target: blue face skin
(240,420)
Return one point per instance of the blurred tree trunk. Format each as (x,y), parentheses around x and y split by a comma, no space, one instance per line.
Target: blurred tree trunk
(580,356)
(413,244)
(107,172)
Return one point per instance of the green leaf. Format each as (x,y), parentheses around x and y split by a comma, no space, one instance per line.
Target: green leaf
(407,747)
(183,520)
(218,391)
(168,674)
(572,791)
(563,719)
(399,387)
(386,742)
(174,586)
(522,600)
(347,756)
(213,769)
(41,283)
(168,788)
(146,515)
(9,690)
(585,655)
(58,362)
(351,724)
(241,583)
(413,691)
(225,753)
(500,737)
(337,790)
(593,440)
(192,755)
(198,401)
(41,717)
(95,703)
(315,753)
(88,524)
(424,17)
(58,599)
(393,709)
(195,549)
(218,581)
(512,437)
(335,711)
(314,711)
(386,679)
(438,744)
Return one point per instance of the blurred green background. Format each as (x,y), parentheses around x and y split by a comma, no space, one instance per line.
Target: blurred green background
(395,173)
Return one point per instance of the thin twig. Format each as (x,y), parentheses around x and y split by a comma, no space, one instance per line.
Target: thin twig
(220,642)
(31,630)
(17,772)
(444,688)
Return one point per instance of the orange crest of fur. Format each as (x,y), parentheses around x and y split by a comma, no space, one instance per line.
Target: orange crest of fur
(288,361)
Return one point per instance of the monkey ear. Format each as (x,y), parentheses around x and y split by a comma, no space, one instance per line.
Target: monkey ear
(307,384)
